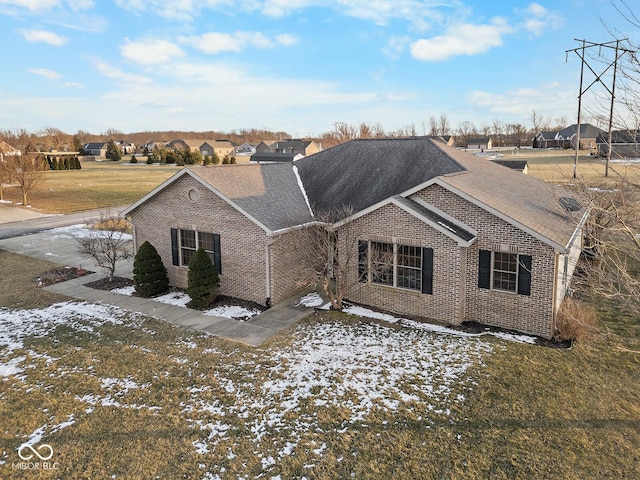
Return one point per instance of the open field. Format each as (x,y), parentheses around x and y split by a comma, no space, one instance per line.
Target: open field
(97,185)
(109,184)
(557,166)
(117,395)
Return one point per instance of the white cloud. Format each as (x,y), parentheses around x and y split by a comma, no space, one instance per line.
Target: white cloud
(461,39)
(522,101)
(176,10)
(537,19)
(73,85)
(44,37)
(395,46)
(150,51)
(46,73)
(420,13)
(33,5)
(40,5)
(218,42)
(109,71)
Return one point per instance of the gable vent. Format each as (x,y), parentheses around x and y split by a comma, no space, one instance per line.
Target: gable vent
(503,247)
(570,204)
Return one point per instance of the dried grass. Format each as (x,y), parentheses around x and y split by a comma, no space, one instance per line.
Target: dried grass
(576,321)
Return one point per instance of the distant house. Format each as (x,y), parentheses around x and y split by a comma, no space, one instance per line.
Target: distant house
(567,137)
(273,157)
(265,146)
(624,144)
(97,149)
(479,143)
(221,148)
(466,240)
(303,147)
(245,149)
(190,144)
(546,139)
(7,150)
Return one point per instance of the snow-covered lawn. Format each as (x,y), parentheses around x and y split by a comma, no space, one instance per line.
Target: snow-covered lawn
(261,407)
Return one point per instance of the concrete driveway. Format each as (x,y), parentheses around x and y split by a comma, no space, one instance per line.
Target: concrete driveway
(51,237)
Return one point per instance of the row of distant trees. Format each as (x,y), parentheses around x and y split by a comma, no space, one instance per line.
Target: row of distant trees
(502,133)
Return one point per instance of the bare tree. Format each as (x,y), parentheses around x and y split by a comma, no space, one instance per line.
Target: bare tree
(108,242)
(613,243)
(329,255)
(444,128)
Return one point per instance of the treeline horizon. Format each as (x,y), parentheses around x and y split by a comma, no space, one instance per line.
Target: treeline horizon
(512,134)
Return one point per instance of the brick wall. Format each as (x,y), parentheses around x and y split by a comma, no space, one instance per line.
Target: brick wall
(532,314)
(189,205)
(390,224)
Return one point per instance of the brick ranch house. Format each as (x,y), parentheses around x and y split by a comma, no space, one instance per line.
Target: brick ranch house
(470,240)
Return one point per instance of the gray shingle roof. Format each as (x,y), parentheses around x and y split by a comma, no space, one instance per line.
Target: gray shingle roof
(361,173)
(586,131)
(269,193)
(273,157)
(522,199)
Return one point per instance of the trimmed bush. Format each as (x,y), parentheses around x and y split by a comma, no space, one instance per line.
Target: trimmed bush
(202,280)
(149,273)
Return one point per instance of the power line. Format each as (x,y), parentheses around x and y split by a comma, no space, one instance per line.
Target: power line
(580,51)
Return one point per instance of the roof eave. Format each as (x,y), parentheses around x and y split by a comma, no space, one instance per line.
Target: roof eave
(204,183)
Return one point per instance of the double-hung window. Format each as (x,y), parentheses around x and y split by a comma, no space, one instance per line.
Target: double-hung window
(396,265)
(185,242)
(505,271)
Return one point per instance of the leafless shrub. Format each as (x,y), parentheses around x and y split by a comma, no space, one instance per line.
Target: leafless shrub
(108,242)
(576,321)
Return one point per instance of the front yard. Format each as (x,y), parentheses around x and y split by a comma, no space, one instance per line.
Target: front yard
(117,395)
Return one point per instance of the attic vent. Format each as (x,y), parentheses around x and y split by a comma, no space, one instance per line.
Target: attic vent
(502,247)
(570,204)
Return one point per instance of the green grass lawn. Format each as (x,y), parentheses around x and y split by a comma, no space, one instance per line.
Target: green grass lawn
(96,185)
(122,396)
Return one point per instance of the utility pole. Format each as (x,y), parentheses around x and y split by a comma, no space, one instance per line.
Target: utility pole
(580,51)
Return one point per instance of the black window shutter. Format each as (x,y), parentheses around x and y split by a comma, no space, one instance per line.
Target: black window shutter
(217,257)
(524,274)
(175,252)
(484,269)
(427,270)
(363,260)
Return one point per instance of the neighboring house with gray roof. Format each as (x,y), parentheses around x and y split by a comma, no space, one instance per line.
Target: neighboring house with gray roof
(97,149)
(567,137)
(624,144)
(272,157)
(470,240)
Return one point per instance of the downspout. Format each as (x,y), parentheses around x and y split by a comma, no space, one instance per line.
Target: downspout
(268,272)
(554,304)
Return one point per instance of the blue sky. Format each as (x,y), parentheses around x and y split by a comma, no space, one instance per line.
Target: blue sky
(293,65)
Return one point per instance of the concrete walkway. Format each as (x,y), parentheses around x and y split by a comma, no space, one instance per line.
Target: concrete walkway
(253,332)
(32,237)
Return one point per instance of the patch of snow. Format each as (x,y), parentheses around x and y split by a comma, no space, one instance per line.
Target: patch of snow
(178,299)
(313,300)
(11,368)
(130,290)
(6,202)
(301,185)
(233,311)
(83,231)
(365,312)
